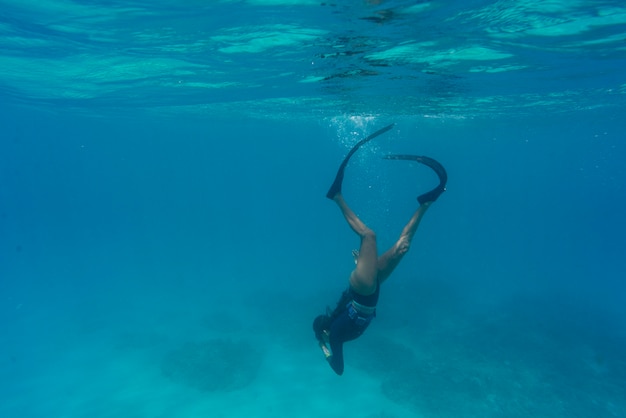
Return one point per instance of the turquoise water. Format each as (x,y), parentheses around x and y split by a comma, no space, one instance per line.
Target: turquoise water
(165,242)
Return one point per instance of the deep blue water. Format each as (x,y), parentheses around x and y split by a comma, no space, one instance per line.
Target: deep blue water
(165,241)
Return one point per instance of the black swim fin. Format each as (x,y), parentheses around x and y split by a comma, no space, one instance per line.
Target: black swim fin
(434,194)
(336,186)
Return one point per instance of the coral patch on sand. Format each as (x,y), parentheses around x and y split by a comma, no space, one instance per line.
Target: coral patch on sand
(215,365)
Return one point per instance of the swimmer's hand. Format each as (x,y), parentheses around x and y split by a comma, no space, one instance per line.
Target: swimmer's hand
(355,254)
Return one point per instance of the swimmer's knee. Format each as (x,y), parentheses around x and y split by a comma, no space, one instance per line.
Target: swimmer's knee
(368,234)
(403,245)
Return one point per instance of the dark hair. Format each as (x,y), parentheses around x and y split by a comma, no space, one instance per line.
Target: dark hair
(320,323)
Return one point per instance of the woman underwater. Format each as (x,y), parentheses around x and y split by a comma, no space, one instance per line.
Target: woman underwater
(357,306)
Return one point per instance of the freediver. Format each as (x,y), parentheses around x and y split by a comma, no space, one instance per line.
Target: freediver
(357,306)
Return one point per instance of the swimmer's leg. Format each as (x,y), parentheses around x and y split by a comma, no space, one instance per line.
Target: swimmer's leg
(392,257)
(363,277)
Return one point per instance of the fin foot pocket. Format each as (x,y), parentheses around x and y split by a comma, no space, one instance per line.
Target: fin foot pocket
(335,188)
(433,194)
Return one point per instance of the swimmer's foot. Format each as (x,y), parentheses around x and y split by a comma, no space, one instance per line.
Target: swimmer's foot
(335,188)
(430,197)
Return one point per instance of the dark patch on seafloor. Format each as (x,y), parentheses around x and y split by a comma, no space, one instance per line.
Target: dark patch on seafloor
(526,356)
(489,367)
(213,366)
